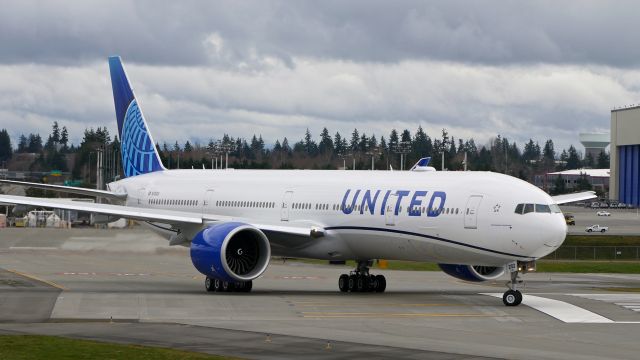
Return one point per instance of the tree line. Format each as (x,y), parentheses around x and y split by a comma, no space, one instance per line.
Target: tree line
(326,151)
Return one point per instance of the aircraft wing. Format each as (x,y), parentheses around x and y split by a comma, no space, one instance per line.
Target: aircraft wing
(567,198)
(289,234)
(69,189)
(130,212)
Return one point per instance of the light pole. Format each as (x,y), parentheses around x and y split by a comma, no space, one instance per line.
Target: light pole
(403,148)
(374,151)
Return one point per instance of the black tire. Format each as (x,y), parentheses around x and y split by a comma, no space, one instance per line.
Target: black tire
(589,230)
(227,286)
(519,295)
(603,230)
(343,283)
(244,287)
(208,284)
(352,283)
(512,298)
(217,285)
(381,283)
(361,283)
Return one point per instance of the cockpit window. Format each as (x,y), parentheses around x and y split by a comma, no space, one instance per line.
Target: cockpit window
(541,208)
(519,208)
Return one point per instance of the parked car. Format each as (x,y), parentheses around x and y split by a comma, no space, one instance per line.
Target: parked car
(569,219)
(622,206)
(603,213)
(595,205)
(597,228)
(604,205)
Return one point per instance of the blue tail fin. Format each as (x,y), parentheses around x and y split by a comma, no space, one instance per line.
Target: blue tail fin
(139,154)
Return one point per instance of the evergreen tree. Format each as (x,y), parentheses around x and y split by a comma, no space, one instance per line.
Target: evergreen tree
(603,160)
(589,161)
(355,141)
(337,141)
(326,144)
(393,140)
(573,160)
(64,138)
(187,147)
(6,149)
(548,153)
(35,143)
(23,144)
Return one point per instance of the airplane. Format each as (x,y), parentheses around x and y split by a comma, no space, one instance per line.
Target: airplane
(476,225)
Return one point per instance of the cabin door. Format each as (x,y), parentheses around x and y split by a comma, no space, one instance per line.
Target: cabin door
(471,212)
(286,205)
(390,210)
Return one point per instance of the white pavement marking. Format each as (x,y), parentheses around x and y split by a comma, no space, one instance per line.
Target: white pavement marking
(628,301)
(560,310)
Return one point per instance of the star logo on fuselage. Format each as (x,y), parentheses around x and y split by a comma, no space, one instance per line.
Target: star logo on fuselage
(496,208)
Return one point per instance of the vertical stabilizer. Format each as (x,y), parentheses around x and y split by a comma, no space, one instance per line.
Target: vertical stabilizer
(139,153)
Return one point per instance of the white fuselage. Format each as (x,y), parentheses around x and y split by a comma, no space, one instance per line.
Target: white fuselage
(444,217)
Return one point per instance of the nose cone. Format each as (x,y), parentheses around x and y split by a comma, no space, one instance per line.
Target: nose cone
(552,235)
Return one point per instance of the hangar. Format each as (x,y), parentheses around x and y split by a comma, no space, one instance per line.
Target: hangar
(624,183)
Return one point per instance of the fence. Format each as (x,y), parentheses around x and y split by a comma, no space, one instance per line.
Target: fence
(595,253)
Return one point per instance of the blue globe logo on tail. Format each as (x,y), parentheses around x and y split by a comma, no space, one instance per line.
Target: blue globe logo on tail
(138,151)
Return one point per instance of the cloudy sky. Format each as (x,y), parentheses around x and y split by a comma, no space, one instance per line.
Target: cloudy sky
(535,69)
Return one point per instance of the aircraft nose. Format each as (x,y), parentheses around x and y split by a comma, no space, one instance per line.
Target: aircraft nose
(556,231)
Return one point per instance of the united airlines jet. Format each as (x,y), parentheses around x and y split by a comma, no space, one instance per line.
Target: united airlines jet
(476,225)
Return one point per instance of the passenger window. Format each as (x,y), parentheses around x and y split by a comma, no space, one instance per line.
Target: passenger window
(519,208)
(542,208)
(528,208)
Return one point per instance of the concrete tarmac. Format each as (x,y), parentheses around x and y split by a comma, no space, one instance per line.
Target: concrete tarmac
(621,221)
(153,295)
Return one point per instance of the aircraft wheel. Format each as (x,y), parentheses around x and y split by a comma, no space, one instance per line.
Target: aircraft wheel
(381,283)
(217,285)
(352,283)
(343,283)
(208,284)
(512,298)
(361,283)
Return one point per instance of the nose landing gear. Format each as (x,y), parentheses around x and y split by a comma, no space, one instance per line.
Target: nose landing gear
(513,297)
(360,280)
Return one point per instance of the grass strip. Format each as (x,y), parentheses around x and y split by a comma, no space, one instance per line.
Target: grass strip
(27,347)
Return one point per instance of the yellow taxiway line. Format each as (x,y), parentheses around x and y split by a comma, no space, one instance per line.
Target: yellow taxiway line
(35,278)
(403,315)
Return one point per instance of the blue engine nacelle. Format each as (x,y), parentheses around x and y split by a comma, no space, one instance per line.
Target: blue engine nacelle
(232,251)
(473,273)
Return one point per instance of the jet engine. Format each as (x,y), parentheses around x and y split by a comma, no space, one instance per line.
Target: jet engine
(233,252)
(473,273)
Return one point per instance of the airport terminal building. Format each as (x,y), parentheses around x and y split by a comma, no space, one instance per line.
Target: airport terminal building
(624,184)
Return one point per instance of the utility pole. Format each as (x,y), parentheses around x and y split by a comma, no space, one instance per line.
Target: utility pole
(465,161)
(373,152)
(403,148)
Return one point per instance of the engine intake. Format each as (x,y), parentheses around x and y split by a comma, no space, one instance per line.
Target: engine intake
(231,252)
(473,273)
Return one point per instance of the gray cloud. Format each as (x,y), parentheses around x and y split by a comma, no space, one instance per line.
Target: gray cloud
(538,69)
(177,33)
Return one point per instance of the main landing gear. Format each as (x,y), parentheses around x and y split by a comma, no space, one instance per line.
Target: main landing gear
(360,280)
(216,285)
(513,297)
